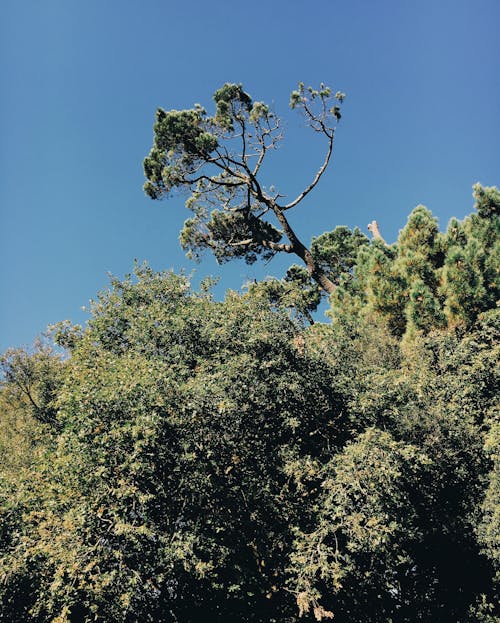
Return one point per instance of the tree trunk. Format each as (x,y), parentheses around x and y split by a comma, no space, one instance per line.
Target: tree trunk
(303,252)
(316,273)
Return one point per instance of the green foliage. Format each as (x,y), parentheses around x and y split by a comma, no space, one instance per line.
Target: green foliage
(301,95)
(295,293)
(28,429)
(364,529)
(231,101)
(336,251)
(223,234)
(218,160)
(400,505)
(471,280)
(489,530)
(216,460)
(428,280)
(184,142)
(181,143)
(487,201)
(169,490)
(32,380)
(193,460)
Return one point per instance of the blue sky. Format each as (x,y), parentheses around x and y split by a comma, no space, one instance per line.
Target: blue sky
(80,82)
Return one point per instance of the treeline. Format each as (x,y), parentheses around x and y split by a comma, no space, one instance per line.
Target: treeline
(190,460)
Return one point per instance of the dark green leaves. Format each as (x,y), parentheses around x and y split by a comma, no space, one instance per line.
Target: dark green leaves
(229,235)
(428,279)
(181,142)
(231,101)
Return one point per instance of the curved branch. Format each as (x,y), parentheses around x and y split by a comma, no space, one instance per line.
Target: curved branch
(262,142)
(316,179)
(277,246)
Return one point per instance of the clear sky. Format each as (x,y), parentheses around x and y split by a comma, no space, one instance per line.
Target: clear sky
(80,81)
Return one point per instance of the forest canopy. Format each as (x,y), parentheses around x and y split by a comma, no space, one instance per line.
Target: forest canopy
(185,459)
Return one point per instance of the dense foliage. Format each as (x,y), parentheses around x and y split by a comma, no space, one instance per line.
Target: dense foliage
(182,459)
(429,280)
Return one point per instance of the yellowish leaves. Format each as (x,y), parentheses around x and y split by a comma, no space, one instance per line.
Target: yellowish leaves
(202,568)
(127,529)
(89,566)
(320,613)
(63,616)
(305,601)
(300,344)
(222,406)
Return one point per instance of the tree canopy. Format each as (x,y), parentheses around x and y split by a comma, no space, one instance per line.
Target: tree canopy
(184,459)
(428,279)
(218,161)
(226,461)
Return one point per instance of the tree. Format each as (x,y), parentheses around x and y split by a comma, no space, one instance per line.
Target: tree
(427,280)
(28,431)
(218,160)
(217,461)
(170,494)
(401,524)
(470,276)
(32,379)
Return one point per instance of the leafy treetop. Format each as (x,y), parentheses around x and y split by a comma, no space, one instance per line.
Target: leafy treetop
(218,160)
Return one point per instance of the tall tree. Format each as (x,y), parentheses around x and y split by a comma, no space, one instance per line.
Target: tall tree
(219,159)
(428,280)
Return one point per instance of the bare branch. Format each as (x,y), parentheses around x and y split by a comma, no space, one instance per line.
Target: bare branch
(317,177)
(212,180)
(242,243)
(277,246)
(268,244)
(375,232)
(241,121)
